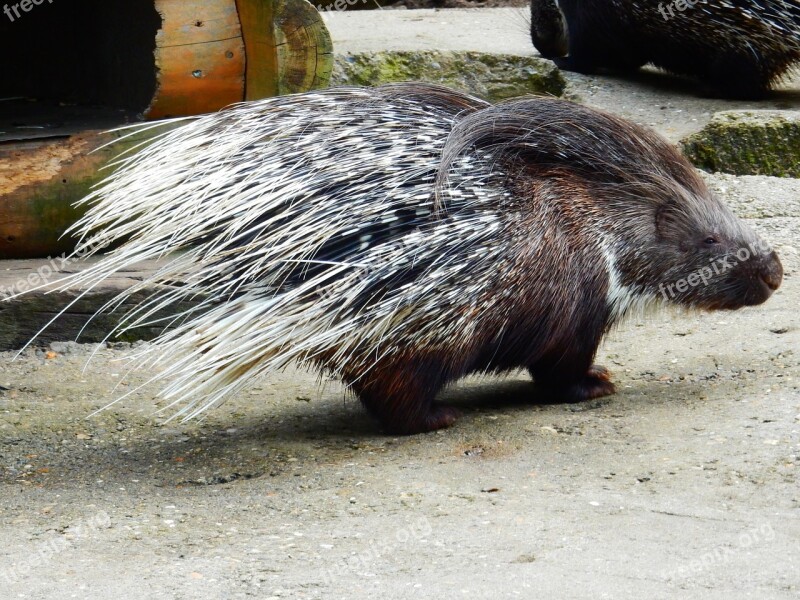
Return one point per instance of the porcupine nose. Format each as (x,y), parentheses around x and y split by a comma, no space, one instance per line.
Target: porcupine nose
(772,272)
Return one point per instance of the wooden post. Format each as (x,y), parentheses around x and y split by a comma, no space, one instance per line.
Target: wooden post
(261,71)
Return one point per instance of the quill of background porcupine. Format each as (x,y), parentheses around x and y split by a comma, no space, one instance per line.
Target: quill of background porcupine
(735,48)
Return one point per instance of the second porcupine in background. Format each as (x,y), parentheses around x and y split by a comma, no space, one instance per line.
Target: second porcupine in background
(735,48)
(402,237)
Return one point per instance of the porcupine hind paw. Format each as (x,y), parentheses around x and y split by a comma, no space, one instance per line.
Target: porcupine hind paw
(596,383)
(400,396)
(407,411)
(439,416)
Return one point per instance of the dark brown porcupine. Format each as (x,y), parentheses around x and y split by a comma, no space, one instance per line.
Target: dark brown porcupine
(735,48)
(402,237)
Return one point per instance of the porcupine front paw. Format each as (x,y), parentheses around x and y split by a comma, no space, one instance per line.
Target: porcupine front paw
(596,383)
(570,63)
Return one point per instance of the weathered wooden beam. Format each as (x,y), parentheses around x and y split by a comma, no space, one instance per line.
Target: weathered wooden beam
(22,317)
(40,180)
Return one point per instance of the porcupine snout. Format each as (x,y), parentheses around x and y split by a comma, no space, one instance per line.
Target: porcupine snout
(769,271)
(757,278)
(772,272)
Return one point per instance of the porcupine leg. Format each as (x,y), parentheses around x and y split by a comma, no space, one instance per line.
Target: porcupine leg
(401,398)
(566,371)
(581,42)
(572,380)
(587,63)
(737,78)
(591,47)
(575,63)
(548,29)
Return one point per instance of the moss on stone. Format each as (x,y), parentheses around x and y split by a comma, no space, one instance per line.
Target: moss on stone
(748,143)
(490,76)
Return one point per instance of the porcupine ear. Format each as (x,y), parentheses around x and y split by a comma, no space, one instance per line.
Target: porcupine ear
(669,221)
(538,131)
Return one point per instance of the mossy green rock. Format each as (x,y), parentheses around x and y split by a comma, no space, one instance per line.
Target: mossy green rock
(490,76)
(761,142)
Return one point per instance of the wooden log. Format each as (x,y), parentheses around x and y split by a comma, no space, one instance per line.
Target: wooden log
(304,46)
(200,57)
(211,54)
(208,54)
(40,181)
(297,51)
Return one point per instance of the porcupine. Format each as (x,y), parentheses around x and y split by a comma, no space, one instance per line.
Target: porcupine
(402,237)
(736,48)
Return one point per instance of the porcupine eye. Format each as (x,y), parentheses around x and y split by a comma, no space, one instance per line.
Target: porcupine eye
(710,241)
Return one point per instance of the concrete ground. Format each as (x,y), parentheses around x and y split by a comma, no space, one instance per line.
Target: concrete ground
(682,485)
